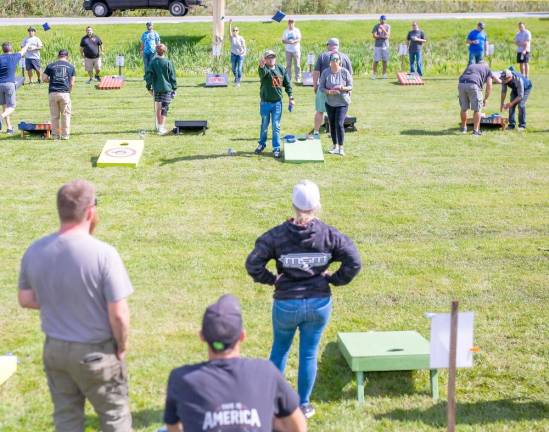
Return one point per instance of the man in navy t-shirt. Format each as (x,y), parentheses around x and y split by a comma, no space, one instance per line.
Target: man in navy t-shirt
(478,44)
(228,393)
(8,70)
(61,76)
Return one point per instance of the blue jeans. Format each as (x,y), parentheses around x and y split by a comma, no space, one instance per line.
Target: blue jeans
(147,58)
(475,57)
(236,64)
(268,110)
(521,109)
(415,59)
(310,316)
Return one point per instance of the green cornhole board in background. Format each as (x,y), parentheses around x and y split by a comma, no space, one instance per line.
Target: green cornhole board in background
(385,351)
(309,150)
(121,153)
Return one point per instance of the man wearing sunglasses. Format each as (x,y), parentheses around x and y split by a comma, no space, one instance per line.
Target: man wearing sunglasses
(80,286)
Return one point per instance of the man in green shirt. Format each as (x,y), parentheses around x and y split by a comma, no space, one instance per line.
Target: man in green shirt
(273,78)
(162,84)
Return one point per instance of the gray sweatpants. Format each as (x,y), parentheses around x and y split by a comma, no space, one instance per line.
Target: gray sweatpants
(293,58)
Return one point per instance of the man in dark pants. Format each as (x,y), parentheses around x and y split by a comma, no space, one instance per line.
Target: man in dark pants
(273,78)
(80,286)
(520,90)
(228,392)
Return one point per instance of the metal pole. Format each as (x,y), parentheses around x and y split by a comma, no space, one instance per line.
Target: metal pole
(452,368)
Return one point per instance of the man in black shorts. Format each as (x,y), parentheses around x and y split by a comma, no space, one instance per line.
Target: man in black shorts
(162,84)
(227,392)
(32,57)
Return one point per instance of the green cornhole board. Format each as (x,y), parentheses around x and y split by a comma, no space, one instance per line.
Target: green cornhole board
(309,150)
(121,153)
(385,351)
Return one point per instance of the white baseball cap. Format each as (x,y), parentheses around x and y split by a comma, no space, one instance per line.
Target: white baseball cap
(306,196)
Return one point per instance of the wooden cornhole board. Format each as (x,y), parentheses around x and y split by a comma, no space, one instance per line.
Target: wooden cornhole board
(124,153)
(309,150)
(406,78)
(8,366)
(41,128)
(110,83)
(386,351)
(491,122)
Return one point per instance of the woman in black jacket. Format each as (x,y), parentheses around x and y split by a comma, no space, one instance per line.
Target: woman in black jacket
(303,248)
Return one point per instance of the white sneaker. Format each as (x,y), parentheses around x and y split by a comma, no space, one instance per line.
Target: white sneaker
(464,130)
(333,150)
(384,76)
(341,151)
(373,76)
(162,131)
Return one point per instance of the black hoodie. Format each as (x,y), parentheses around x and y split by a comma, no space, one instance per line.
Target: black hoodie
(302,254)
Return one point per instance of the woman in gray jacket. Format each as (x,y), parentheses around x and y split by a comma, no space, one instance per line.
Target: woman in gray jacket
(337,83)
(238,51)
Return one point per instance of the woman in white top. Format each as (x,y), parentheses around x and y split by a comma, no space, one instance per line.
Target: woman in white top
(238,51)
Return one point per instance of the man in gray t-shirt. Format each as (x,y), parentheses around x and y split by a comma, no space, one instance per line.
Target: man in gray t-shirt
(471,82)
(381,34)
(80,286)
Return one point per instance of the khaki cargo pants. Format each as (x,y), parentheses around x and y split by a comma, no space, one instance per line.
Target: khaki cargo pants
(60,110)
(78,371)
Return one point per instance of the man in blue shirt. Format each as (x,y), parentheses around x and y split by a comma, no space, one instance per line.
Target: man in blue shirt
(149,40)
(8,70)
(478,44)
(520,90)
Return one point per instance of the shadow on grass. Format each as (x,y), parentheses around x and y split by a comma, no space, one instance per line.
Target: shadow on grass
(334,375)
(474,413)
(104,132)
(242,139)
(422,132)
(205,157)
(140,419)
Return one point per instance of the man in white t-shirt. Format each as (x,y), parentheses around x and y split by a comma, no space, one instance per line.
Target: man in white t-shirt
(32,57)
(522,40)
(291,39)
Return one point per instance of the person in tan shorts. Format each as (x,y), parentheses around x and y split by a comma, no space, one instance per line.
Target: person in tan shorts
(61,76)
(91,48)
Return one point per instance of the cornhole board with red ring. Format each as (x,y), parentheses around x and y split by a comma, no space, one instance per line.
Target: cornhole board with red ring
(110,83)
(124,153)
(405,78)
(216,80)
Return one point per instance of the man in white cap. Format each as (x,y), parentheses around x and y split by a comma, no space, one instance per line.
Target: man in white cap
(520,90)
(229,392)
(291,38)
(323,63)
(303,248)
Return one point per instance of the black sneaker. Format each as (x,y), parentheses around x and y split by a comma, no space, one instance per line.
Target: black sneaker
(9,131)
(510,127)
(97,78)
(276,153)
(39,82)
(259,149)
(308,410)
(477,133)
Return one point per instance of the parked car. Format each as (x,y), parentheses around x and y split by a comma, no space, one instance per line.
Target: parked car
(105,8)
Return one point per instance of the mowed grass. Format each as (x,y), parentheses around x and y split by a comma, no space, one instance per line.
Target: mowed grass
(437,216)
(189,44)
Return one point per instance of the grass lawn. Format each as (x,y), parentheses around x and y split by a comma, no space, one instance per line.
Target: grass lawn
(437,216)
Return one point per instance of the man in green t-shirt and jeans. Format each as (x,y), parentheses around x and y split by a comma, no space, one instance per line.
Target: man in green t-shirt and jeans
(162,84)
(273,78)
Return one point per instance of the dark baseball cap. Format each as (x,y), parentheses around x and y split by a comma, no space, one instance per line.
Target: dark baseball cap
(222,323)
(31,29)
(63,53)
